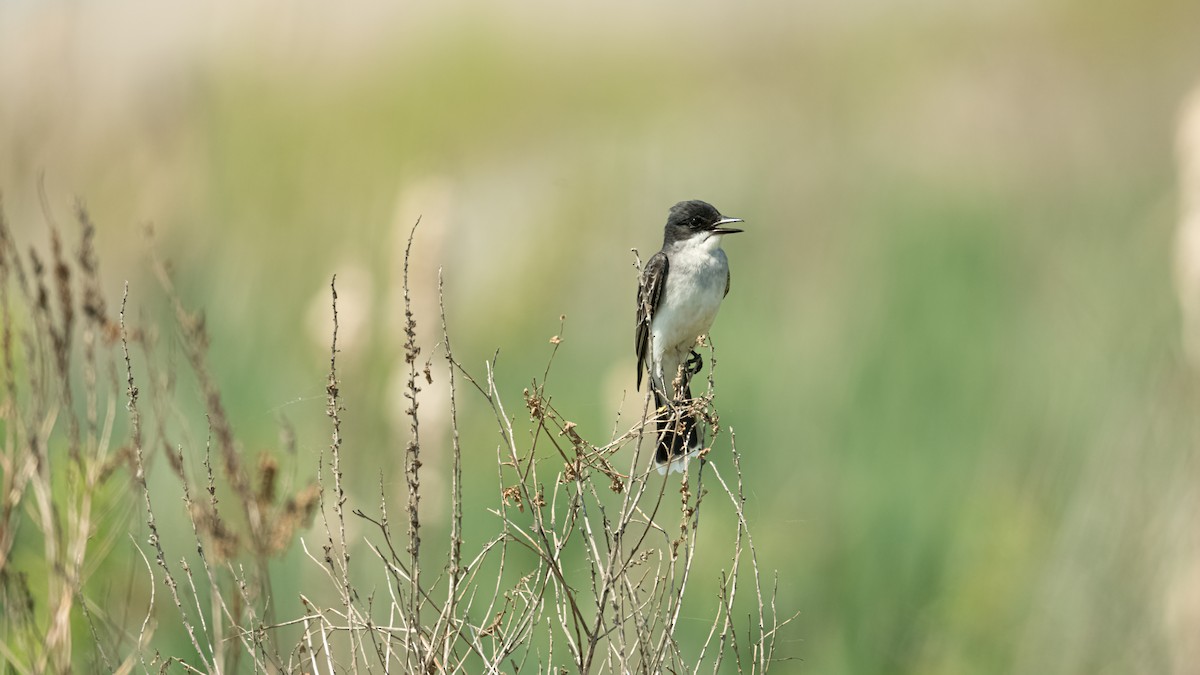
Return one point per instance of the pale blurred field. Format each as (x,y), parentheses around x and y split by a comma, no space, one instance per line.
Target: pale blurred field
(951,353)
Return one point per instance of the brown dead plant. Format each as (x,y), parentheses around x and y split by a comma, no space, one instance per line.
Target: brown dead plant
(589,566)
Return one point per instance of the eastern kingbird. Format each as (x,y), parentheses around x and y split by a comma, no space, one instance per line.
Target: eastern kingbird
(678,296)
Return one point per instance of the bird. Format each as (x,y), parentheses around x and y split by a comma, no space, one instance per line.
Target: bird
(679,293)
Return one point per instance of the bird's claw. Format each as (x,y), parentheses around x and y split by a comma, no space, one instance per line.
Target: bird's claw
(694,363)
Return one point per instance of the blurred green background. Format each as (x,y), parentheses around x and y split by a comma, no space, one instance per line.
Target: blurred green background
(951,353)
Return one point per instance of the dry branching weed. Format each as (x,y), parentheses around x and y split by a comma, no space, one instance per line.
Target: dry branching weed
(588,568)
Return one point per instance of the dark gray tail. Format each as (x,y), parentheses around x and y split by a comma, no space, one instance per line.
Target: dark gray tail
(679,435)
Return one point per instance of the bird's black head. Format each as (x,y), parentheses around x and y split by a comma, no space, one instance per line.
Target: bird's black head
(694,217)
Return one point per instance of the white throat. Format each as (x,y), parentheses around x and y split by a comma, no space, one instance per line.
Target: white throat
(701,242)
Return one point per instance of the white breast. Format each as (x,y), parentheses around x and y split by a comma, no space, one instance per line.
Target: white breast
(696,280)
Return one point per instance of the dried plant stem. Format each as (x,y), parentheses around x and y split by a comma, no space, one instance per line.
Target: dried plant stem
(333,410)
(135,422)
(449,614)
(412,467)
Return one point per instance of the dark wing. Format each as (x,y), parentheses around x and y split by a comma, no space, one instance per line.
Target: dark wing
(650,290)
(727,278)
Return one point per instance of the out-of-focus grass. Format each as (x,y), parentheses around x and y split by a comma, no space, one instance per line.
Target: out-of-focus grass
(950,353)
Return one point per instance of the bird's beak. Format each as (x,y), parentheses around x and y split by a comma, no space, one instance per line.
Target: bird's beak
(718,229)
